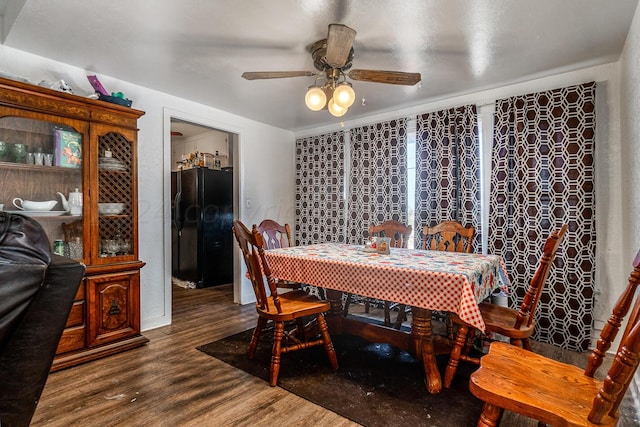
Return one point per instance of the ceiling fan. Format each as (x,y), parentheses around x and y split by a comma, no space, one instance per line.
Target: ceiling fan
(333,57)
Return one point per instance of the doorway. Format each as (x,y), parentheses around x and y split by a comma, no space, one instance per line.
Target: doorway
(201,206)
(216,148)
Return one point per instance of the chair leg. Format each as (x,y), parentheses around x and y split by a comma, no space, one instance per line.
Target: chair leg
(366,306)
(490,416)
(262,322)
(526,344)
(347,303)
(328,344)
(454,358)
(275,354)
(468,343)
(450,327)
(387,313)
(402,316)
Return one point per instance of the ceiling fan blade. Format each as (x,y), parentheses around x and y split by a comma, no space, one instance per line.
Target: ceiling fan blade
(257,75)
(339,44)
(389,77)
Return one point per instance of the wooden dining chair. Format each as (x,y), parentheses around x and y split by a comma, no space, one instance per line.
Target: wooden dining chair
(557,393)
(517,325)
(279,308)
(450,236)
(275,235)
(399,235)
(395,230)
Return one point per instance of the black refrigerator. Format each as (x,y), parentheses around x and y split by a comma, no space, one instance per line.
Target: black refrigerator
(201,226)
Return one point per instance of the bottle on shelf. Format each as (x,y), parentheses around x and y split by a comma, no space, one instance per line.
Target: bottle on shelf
(216,161)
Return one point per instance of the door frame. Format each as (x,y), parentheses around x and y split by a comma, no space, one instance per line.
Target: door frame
(235,137)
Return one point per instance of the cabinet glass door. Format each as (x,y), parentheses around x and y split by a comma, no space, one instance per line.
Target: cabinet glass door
(115,195)
(41,173)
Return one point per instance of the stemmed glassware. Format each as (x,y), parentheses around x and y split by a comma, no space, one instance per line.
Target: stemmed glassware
(125,246)
(110,246)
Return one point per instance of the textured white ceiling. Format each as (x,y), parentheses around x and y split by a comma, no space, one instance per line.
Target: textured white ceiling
(198,49)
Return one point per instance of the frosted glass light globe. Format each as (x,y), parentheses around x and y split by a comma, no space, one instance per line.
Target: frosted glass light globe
(315,98)
(344,95)
(335,109)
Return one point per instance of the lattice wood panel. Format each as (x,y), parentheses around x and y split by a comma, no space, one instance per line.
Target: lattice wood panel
(115,186)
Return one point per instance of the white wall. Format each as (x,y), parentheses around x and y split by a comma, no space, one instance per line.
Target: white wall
(630,140)
(611,263)
(265,167)
(630,154)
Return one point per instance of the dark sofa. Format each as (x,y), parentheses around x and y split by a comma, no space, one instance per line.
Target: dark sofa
(37,291)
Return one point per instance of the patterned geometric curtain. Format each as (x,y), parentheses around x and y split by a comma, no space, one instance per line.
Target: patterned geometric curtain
(320,206)
(377,177)
(542,177)
(448,170)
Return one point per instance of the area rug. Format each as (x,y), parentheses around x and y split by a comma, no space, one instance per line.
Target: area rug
(376,384)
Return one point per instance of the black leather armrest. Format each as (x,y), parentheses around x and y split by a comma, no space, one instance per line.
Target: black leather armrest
(28,349)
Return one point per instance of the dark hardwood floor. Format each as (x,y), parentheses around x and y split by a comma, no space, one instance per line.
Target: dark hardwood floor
(169,383)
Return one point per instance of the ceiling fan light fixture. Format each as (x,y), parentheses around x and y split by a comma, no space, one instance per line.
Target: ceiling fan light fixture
(335,109)
(344,95)
(315,98)
(332,58)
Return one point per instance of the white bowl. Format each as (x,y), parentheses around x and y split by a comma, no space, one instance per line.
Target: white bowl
(110,208)
(30,205)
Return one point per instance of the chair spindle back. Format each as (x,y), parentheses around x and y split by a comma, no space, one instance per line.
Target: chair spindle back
(539,279)
(625,363)
(275,235)
(448,236)
(251,244)
(395,230)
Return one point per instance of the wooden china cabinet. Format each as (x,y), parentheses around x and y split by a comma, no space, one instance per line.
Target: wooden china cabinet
(92,147)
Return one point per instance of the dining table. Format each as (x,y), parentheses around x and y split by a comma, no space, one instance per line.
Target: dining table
(425,280)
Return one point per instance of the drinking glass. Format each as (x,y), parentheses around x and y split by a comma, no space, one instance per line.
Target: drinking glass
(38,158)
(75,248)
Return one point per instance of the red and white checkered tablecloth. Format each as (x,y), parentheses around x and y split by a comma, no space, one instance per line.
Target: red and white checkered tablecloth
(435,280)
